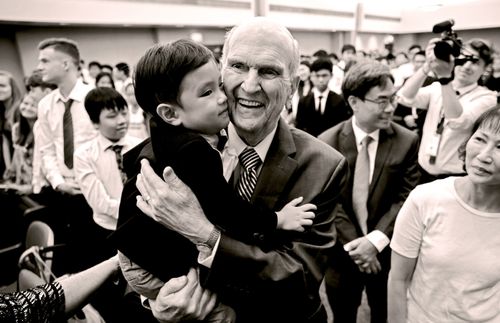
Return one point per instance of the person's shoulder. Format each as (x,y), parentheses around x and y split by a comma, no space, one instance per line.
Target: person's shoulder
(312,147)
(333,132)
(132,158)
(403,132)
(484,91)
(44,102)
(132,141)
(87,147)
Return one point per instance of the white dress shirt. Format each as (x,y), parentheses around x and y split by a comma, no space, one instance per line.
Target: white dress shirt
(50,131)
(376,237)
(98,176)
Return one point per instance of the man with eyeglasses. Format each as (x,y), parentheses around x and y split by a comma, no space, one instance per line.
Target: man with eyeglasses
(453,103)
(382,158)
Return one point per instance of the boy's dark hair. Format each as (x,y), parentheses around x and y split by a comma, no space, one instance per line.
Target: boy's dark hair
(347,47)
(322,64)
(109,67)
(162,68)
(102,98)
(334,56)
(363,76)
(94,63)
(63,45)
(124,68)
(320,53)
(35,80)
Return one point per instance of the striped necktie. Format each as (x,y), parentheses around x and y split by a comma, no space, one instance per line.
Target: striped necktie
(248,179)
(119,160)
(361,184)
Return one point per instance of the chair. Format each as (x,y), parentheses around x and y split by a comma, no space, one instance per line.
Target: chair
(36,261)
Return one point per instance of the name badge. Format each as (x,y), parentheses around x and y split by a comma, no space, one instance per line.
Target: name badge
(432,148)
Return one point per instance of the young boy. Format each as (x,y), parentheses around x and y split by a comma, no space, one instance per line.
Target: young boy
(98,163)
(179,84)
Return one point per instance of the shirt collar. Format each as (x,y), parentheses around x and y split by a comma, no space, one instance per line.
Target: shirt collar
(317,93)
(466,89)
(359,134)
(78,92)
(236,145)
(105,143)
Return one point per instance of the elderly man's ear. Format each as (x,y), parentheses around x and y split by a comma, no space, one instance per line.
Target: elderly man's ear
(169,113)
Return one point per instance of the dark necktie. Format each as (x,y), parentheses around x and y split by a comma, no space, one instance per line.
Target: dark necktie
(222,142)
(319,104)
(248,178)
(68,134)
(361,184)
(119,161)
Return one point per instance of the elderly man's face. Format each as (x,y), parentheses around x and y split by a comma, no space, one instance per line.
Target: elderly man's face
(257,79)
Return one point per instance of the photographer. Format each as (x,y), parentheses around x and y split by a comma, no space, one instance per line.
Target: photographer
(453,102)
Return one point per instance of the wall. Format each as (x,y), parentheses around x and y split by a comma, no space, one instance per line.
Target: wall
(106,45)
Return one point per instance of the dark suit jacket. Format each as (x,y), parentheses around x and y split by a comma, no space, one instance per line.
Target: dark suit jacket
(313,122)
(198,165)
(396,173)
(281,285)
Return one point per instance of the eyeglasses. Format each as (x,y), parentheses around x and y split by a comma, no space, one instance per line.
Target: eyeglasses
(382,104)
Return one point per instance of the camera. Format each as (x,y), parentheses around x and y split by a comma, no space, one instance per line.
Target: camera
(450,43)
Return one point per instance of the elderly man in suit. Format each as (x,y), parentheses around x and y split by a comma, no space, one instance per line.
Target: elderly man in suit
(281,283)
(382,158)
(322,108)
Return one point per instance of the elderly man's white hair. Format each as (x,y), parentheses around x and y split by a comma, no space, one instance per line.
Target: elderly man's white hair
(266,27)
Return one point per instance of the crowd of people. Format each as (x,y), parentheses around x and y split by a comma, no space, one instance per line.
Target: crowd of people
(232,188)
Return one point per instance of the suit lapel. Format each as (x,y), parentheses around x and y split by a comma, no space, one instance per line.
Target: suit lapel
(277,168)
(348,145)
(383,151)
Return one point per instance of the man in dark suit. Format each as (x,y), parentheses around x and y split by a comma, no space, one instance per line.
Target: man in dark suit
(322,108)
(279,283)
(382,158)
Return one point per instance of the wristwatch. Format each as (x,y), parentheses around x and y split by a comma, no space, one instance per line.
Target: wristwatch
(212,239)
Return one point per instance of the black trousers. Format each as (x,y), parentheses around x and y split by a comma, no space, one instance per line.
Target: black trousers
(345,284)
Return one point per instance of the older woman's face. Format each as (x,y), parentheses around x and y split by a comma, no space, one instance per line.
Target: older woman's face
(482,157)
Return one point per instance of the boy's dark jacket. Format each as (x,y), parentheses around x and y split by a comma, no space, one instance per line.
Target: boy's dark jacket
(165,253)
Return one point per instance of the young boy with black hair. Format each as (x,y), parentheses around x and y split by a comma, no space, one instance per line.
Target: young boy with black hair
(98,163)
(179,84)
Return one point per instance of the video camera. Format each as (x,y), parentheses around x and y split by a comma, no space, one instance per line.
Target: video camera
(450,43)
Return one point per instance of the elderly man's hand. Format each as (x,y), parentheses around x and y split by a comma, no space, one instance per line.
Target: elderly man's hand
(182,299)
(172,203)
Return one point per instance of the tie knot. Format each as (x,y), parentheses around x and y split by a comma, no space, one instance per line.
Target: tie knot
(67,104)
(249,158)
(366,141)
(116,148)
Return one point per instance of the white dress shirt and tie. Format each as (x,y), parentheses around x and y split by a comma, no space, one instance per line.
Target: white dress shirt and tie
(376,237)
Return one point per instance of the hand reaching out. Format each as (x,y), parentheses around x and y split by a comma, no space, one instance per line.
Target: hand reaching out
(295,217)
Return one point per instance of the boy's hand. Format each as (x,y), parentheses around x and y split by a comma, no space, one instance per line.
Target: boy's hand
(294,217)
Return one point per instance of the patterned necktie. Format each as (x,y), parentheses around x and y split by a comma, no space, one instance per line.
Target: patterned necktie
(248,179)
(361,184)
(68,134)
(119,160)
(319,104)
